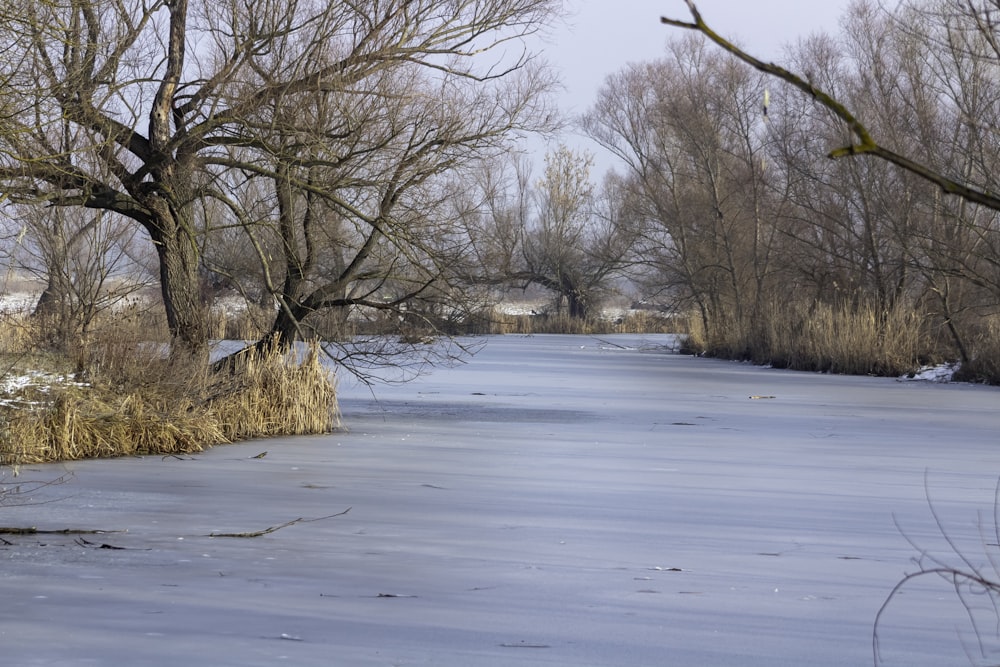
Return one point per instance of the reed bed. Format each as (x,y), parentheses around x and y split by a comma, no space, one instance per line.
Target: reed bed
(123,396)
(858,340)
(275,393)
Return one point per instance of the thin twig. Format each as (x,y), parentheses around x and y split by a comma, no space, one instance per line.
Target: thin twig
(272,529)
(966,578)
(608,342)
(103,545)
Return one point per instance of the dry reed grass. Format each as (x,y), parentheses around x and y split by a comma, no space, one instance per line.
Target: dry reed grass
(80,424)
(822,337)
(18,336)
(137,401)
(250,322)
(275,393)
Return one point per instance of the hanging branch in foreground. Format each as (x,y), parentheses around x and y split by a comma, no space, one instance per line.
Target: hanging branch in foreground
(272,529)
(976,586)
(864,144)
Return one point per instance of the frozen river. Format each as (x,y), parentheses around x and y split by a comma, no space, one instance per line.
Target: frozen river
(558,500)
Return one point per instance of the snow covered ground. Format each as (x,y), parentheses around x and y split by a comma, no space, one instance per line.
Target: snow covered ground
(558,500)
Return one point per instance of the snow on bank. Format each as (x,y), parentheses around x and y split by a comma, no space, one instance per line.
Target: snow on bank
(16,386)
(938,373)
(558,500)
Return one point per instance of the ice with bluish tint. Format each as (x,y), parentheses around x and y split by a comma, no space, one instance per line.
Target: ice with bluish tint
(558,500)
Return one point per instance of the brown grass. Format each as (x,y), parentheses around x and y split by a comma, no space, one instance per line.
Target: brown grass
(822,337)
(271,394)
(251,323)
(90,424)
(136,401)
(17,336)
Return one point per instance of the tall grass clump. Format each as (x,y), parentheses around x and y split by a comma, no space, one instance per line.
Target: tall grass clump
(80,424)
(124,396)
(270,393)
(243,321)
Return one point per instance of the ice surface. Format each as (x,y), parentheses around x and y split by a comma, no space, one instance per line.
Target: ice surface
(558,500)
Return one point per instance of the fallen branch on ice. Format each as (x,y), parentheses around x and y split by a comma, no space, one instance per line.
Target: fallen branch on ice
(103,545)
(7,530)
(266,531)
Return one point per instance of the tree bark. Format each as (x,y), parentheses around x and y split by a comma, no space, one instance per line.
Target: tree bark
(577,305)
(180,286)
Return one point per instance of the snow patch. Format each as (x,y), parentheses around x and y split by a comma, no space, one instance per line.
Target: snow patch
(13,387)
(938,373)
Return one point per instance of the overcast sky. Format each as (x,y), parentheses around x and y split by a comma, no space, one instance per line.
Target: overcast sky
(601,36)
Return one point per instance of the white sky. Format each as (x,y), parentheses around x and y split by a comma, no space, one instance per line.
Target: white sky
(601,36)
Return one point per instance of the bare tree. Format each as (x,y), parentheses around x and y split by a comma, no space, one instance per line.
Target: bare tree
(86,260)
(689,131)
(862,142)
(850,221)
(173,100)
(359,221)
(562,234)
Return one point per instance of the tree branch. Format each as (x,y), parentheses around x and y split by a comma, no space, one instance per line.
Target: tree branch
(865,144)
(271,529)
